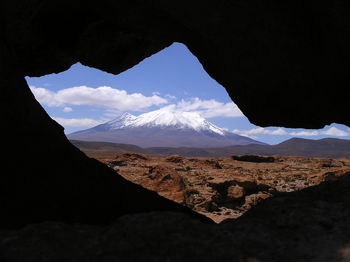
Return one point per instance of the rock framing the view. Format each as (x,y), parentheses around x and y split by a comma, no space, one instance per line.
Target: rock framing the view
(284,63)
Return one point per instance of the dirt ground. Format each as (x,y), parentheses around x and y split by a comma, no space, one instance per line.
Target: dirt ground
(223,188)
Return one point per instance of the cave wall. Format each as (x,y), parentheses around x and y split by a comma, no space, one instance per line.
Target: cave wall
(285,63)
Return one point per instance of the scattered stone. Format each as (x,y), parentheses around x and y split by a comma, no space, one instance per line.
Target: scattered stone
(174,159)
(222,193)
(235,191)
(135,156)
(117,163)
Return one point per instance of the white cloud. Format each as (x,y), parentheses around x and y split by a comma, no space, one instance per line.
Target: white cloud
(260,131)
(103,96)
(208,108)
(112,113)
(170,96)
(305,133)
(67,109)
(77,122)
(120,100)
(333,131)
(278,131)
(46,97)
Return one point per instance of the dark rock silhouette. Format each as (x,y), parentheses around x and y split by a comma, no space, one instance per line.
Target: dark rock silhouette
(283,62)
(255,159)
(309,225)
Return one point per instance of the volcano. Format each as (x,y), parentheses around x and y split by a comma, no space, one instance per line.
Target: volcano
(162,128)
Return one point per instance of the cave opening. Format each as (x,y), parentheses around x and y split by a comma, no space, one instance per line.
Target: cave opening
(285,63)
(122,121)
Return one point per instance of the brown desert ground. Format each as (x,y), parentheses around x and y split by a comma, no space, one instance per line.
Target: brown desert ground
(224,188)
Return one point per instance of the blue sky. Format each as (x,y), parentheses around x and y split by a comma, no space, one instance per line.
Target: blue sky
(82,97)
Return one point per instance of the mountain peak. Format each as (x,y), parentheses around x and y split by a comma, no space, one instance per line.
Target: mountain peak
(176,119)
(164,118)
(163,127)
(120,121)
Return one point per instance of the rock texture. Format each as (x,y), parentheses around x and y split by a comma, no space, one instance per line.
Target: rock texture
(267,55)
(283,62)
(222,188)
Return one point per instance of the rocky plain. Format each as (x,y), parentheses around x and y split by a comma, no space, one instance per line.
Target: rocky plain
(225,188)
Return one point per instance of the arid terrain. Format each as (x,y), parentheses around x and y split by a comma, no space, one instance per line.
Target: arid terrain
(223,188)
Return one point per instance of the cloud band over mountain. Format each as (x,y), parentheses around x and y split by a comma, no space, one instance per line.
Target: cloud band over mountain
(116,99)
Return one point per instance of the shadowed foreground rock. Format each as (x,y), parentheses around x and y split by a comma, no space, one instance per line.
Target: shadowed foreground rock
(309,225)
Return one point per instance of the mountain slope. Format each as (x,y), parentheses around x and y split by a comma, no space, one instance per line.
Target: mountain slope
(106,149)
(165,128)
(327,147)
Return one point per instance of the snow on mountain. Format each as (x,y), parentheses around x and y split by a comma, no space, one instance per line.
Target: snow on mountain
(120,121)
(161,128)
(177,119)
(165,118)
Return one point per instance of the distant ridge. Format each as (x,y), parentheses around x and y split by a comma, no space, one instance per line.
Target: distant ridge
(106,149)
(327,147)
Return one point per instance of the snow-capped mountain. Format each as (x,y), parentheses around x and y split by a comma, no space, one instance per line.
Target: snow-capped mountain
(162,128)
(164,118)
(120,122)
